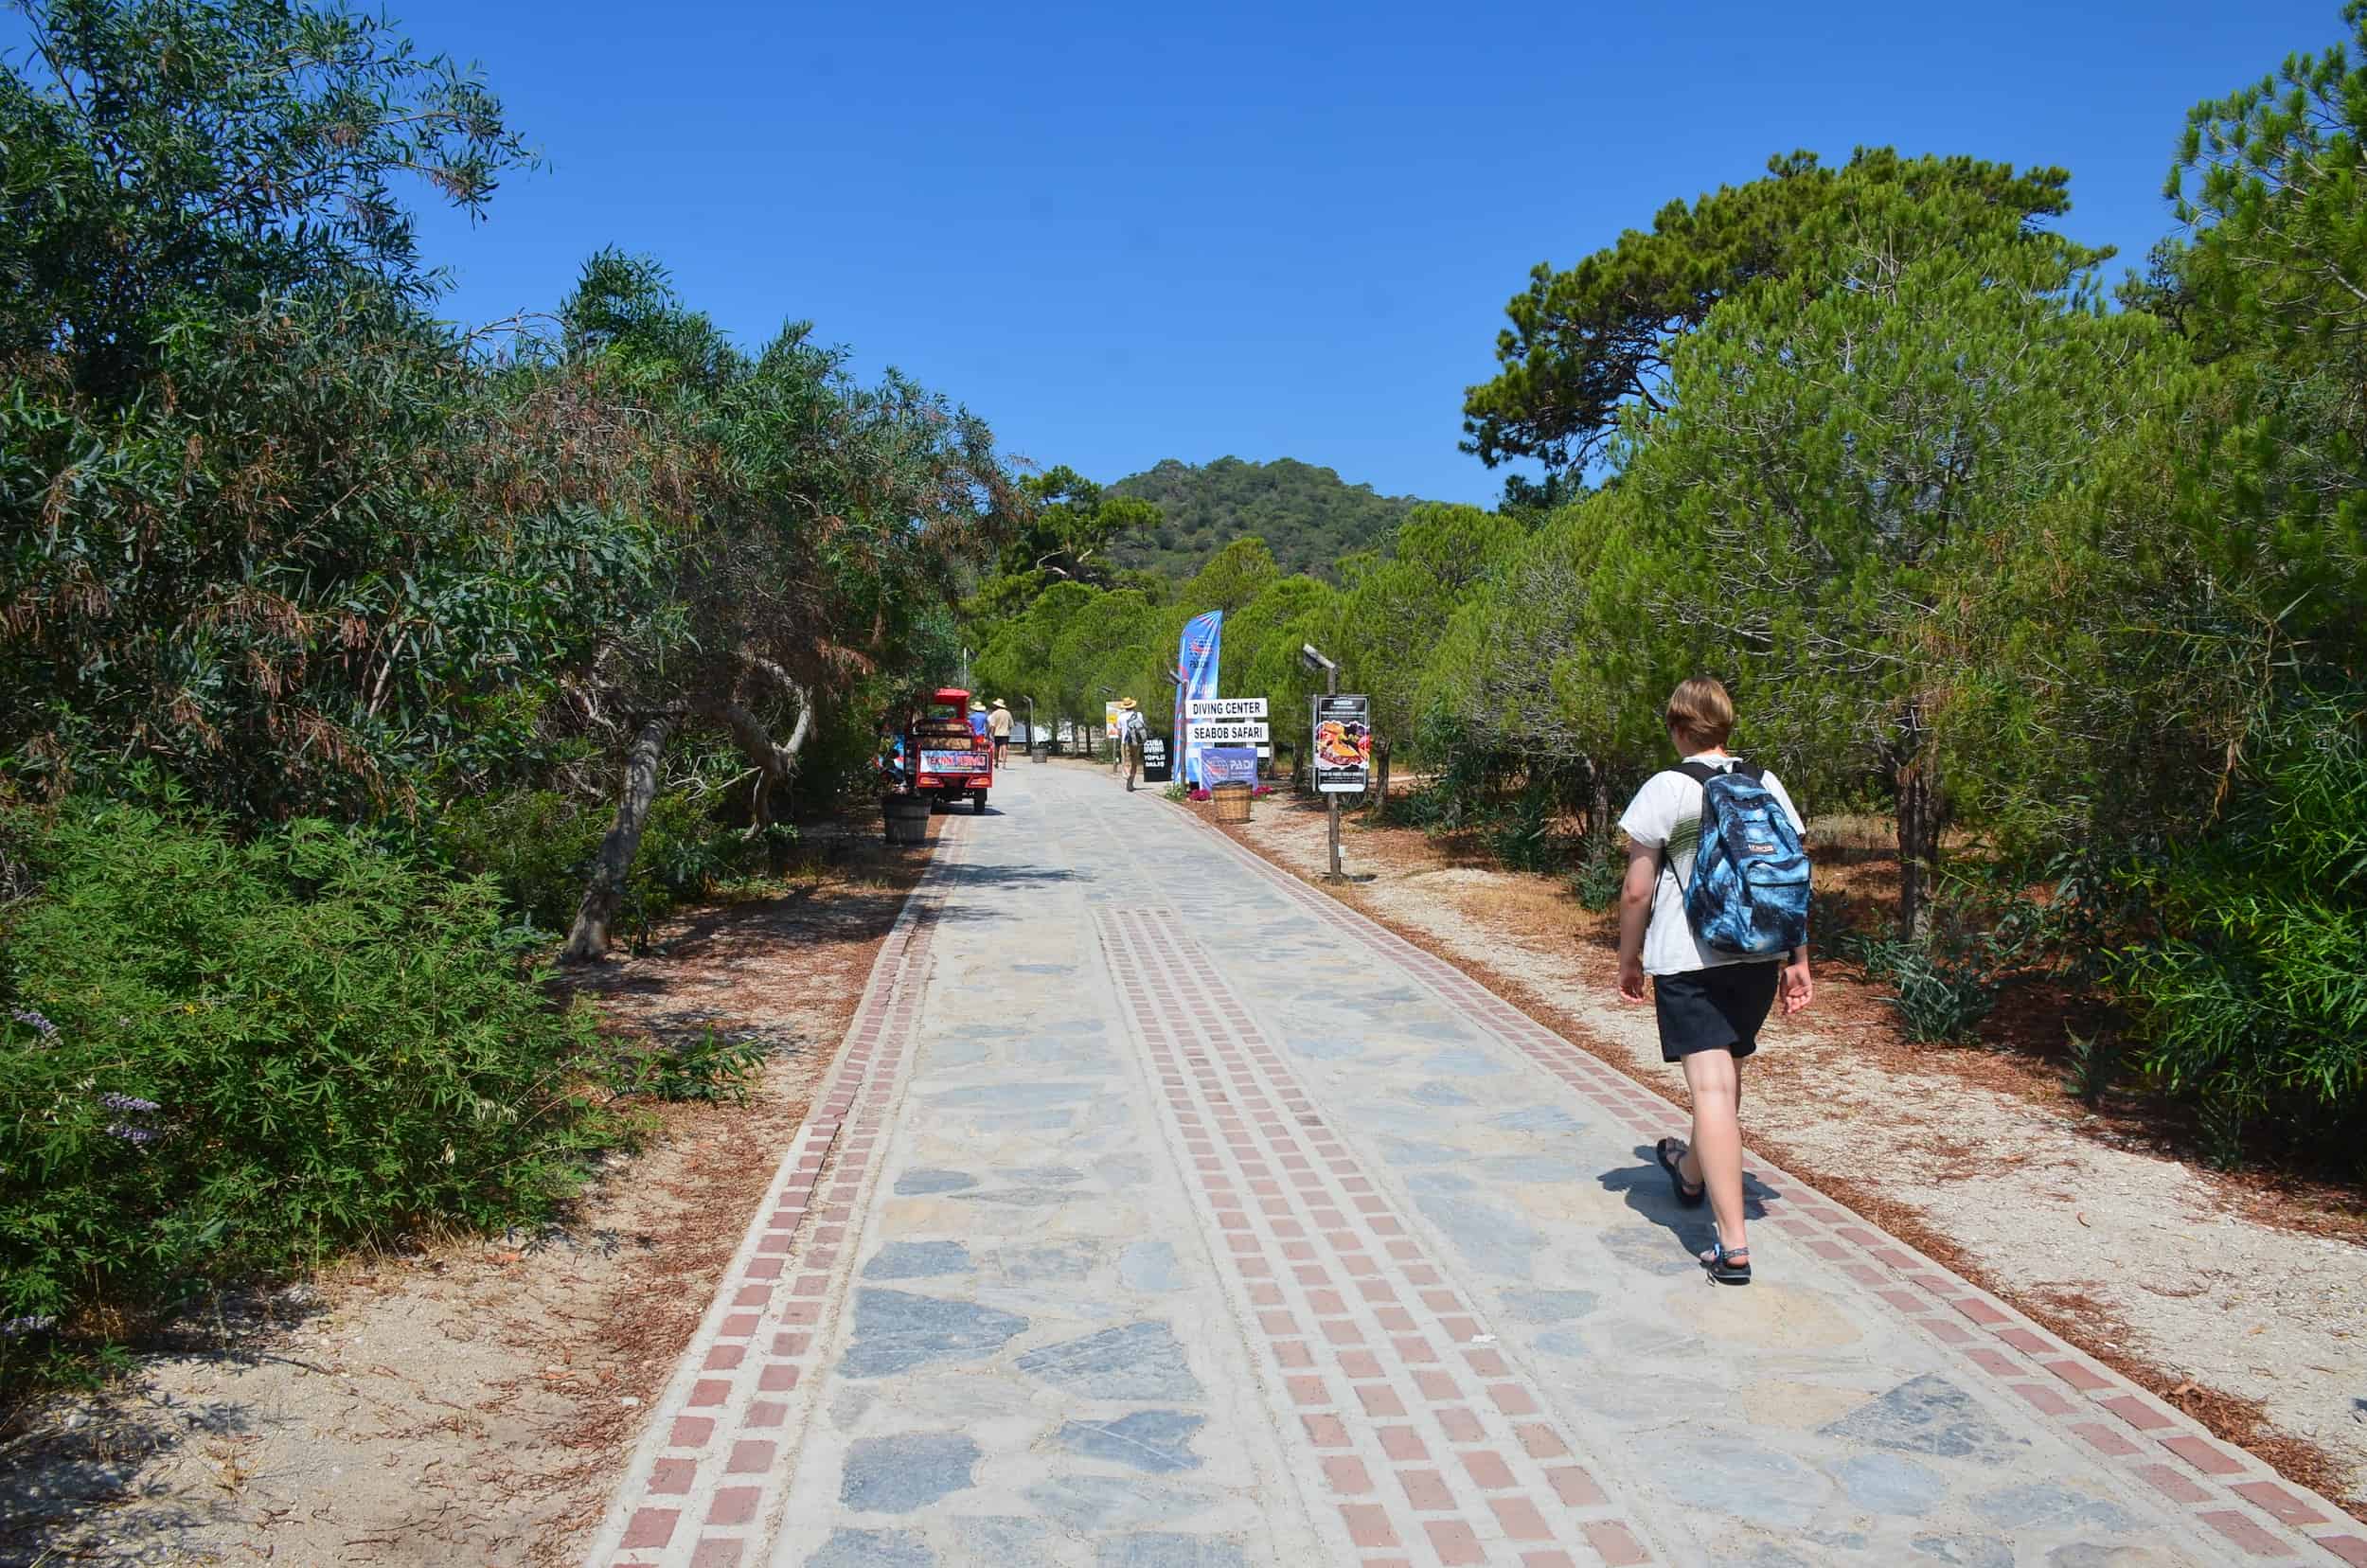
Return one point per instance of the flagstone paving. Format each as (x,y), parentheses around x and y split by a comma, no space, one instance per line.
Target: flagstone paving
(1161,1212)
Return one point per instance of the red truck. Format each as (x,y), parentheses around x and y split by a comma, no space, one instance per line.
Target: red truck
(949,759)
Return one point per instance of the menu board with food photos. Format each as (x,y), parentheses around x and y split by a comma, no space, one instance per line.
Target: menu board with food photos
(1342,751)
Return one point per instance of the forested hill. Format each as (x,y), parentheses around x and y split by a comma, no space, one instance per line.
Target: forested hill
(1306,515)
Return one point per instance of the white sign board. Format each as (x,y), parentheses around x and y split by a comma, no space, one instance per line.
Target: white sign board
(1224,707)
(1211,733)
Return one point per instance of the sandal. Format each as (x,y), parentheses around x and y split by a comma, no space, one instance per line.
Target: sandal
(1671,1155)
(1728,1265)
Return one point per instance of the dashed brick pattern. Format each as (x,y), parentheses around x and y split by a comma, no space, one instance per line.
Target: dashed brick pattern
(2225,1491)
(1433,1448)
(716,1464)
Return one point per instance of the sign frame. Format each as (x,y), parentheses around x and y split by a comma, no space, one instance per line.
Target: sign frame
(1352,711)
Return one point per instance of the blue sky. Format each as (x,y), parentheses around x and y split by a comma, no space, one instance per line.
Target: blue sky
(1123,232)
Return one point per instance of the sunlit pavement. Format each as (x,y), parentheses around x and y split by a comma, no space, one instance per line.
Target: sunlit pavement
(1161,1212)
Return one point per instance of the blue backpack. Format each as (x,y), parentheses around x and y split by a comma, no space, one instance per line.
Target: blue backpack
(1750,890)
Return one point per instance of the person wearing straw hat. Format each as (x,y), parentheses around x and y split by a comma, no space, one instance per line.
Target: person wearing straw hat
(1130,732)
(999,725)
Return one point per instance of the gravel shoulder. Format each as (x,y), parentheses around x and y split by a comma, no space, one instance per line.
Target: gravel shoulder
(2243,1302)
(469,1400)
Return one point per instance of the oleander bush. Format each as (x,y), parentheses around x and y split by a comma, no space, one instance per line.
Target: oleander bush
(2248,992)
(223,1059)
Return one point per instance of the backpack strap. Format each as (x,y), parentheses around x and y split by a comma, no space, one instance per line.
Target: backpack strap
(1701,773)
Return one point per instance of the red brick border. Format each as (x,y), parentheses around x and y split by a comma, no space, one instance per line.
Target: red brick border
(1377,1356)
(713,1450)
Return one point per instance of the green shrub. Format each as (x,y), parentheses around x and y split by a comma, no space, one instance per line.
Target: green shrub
(538,845)
(2090,1062)
(220,1059)
(1602,870)
(2249,992)
(1941,999)
(1520,832)
(707,1067)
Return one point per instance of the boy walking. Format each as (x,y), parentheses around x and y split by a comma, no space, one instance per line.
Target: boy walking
(1711,988)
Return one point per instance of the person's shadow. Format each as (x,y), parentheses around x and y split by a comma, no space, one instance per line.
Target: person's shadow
(1645,1187)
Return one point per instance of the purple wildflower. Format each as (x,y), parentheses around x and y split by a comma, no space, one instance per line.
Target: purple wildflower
(133,1134)
(126,1102)
(17,1328)
(33,1021)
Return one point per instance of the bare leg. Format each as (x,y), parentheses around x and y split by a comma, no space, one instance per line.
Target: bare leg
(1714,1078)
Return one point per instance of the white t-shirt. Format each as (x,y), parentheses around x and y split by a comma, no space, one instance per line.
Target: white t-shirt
(1666,815)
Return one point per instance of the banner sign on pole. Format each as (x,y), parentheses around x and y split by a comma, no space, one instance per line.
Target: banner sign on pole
(1342,752)
(1209,732)
(1196,659)
(1227,707)
(1230,765)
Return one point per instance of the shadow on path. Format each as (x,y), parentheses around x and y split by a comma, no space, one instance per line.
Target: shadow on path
(1644,1186)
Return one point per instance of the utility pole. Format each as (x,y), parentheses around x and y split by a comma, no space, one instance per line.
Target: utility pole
(1314,660)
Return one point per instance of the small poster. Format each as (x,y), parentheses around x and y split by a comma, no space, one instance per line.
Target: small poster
(1343,753)
(953,761)
(1155,768)
(1230,765)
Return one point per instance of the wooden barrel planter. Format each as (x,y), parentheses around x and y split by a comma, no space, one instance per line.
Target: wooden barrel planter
(1232,802)
(1039,753)
(906,815)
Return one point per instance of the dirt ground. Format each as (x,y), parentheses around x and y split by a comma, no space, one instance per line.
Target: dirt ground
(2241,1299)
(471,1401)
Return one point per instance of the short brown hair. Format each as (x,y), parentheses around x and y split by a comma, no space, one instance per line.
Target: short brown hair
(1700,711)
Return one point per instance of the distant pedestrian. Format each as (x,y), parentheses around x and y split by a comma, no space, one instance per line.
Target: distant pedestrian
(999,725)
(1132,729)
(1713,986)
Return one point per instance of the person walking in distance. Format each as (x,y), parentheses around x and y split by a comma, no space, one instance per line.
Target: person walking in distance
(1132,728)
(999,725)
(1715,910)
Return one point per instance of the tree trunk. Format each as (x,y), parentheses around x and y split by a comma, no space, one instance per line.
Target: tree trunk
(1381,778)
(605,893)
(1919,830)
(774,763)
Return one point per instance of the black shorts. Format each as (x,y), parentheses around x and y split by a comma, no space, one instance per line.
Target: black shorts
(1713,1009)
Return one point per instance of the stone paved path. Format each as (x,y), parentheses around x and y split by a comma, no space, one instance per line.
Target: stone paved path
(1161,1212)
